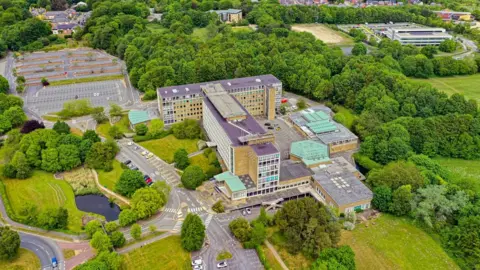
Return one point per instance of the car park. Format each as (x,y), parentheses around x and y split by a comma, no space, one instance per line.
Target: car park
(222,264)
(248,211)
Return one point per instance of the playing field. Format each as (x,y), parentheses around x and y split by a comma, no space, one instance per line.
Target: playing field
(26,260)
(466,85)
(165,148)
(163,254)
(44,191)
(395,243)
(323,33)
(465,173)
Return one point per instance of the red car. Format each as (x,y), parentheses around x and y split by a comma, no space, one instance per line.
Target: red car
(284,100)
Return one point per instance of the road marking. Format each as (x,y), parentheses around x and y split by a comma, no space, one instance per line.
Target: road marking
(208,220)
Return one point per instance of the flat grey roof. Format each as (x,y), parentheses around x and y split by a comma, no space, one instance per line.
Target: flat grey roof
(228,85)
(340,183)
(290,169)
(223,102)
(341,134)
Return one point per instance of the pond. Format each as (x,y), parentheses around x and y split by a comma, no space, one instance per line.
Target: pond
(98,204)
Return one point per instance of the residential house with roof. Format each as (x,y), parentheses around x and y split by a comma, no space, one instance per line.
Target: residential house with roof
(229,15)
(136,117)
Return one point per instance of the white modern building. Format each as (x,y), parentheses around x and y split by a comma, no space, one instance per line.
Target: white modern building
(417,36)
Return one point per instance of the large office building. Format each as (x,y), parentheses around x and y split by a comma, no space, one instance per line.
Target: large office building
(259,95)
(421,36)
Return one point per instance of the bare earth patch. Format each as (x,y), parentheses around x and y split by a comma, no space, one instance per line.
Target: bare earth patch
(322,33)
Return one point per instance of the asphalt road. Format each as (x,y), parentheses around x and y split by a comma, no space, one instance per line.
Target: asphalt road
(45,250)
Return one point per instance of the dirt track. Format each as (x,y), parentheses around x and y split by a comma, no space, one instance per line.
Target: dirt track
(322,33)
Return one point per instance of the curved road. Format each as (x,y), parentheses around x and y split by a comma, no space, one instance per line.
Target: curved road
(45,249)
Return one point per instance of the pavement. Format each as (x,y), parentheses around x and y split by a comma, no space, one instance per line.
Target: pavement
(44,248)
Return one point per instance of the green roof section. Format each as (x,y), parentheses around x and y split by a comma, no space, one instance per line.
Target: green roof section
(233,182)
(137,117)
(310,152)
(319,122)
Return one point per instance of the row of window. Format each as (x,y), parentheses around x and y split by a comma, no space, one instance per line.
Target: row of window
(294,185)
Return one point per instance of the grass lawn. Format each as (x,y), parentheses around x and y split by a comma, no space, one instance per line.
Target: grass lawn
(465,173)
(109,179)
(345,116)
(272,262)
(297,261)
(88,79)
(324,33)
(466,85)
(201,161)
(165,148)
(44,191)
(242,29)
(395,243)
(163,254)
(25,260)
(123,125)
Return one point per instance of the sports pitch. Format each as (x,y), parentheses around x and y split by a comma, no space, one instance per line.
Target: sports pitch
(466,85)
(323,33)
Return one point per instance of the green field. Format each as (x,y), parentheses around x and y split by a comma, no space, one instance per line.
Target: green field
(26,260)
(44,191)
(165,148)
(201,161)
(466,85)
(163,254)
(465,173)
(123,125)
(344,116)
(395,243)
(109,179)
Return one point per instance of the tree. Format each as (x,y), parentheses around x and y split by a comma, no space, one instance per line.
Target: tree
(4,86)
(342,257)
(68,156)
(359,49)
(382,197)
(5,124)
(129,182)
(146,202)
(181,159)
(61,127)
(397,174)
(115,110)
(30,126)
(115,132)
(136,231)
(193,233)
(101,242)
(192,177)
(9,171)
(91,135)
(44,81)
(156,128)
(218,207)
(163,189)
(100,117)
(53,218)
(118,239)
(101,155)
(152,228)
(15,115)
(301,104)
(92,227)
(9,243)
(141,129)
(127,217)
(429,51)
(110,226)
(50,160)
(258,235)
(241,229)
(19,161)
(448,45)
(59,4)
(401,200)
(283,109)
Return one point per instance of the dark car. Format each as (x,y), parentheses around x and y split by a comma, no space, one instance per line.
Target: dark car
(127,162)
(270,127)
(267,124)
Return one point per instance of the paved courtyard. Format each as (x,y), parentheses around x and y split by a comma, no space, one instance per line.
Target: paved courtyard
(51,99)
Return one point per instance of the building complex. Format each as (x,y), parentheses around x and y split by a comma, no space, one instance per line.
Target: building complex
(418,36)
(251,154)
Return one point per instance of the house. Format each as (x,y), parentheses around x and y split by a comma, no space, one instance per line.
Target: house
(229,15)
(63,28)
(136,117)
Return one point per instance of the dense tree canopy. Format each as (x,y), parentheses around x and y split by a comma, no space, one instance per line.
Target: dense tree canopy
(193,233)
(129,182)
(9,243)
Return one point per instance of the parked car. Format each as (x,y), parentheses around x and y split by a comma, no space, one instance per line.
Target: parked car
(267,124)
(131,165)
(244,213)
(197,267)
(135,147)
(149,155)
(130,143)
(54,262)
(222,264)
(248,211)
(127,162)
(270,127)
(197,262)
(145,177)
(144,153)
(134,168)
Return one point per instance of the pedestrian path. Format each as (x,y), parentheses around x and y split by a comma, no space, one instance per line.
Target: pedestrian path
(170,210)
(178,226)
(208,220)
(195,209)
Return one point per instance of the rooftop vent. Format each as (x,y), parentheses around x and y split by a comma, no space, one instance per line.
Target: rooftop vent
(174,90)
(229,83)
(186,89)
(165,92)
(258,80)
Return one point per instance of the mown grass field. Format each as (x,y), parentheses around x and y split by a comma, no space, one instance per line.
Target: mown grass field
(44,191)
(26,260)
(465,173)
(466,85)
(345,116)
(297,261)
(163,254)
(395,243)
(165,148)
(109,179)
(123,125)
(201,161)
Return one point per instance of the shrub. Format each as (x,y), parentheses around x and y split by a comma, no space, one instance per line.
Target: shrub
(218,207)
